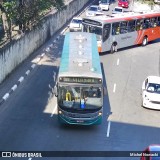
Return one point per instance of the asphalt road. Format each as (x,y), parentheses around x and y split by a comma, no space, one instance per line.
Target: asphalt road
(28,119)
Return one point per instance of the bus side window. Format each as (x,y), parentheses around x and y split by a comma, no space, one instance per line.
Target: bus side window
(123,28)
(116,28)
(139,24)
(147,23)
(106,31)
(153,22)
(131,26)
(158,21)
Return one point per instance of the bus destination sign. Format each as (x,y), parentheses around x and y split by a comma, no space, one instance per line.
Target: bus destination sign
(80,80)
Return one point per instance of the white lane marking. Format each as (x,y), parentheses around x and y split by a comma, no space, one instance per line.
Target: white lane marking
(29,158)
(54,110)
(48,49)
(27,72)
(108,129)
(42,54)
(114,88)
(5,96)
(51,45)
(14,87)
(21,79)
(117,61)
(33,65)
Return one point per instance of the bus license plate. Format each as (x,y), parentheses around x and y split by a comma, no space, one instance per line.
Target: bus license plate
(80,121)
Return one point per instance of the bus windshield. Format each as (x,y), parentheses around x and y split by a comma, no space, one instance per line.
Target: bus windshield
(93,29)
(79,97)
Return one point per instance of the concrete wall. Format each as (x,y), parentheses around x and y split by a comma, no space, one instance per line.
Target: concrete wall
(17,51)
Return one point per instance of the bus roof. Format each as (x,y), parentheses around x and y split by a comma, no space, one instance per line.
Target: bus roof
(80,57)
(124,16)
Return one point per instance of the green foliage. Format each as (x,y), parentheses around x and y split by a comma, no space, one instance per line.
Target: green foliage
(9,7)
(48,4)
(29,12)
(151,2)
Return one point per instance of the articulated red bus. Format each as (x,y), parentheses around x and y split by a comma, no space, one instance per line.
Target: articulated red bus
(123,30)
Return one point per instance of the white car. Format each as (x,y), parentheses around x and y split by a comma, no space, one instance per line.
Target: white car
(151,92)
(94,10)
(76,24)
(104,4)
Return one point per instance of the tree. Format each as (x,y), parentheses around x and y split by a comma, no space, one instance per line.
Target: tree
(5,19)
(25,13)
(29,11)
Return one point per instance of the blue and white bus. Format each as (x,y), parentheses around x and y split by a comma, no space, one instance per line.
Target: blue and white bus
(79,84)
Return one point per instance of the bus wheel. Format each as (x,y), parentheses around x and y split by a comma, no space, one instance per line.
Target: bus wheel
(112,48)
(145,41)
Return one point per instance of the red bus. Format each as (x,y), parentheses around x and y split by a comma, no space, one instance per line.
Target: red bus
(123,30)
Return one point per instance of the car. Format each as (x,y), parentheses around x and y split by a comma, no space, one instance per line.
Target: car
(152,152)
(123,3)
(151,92)
(76,24)
(104,4)
(94,10)
(118,10)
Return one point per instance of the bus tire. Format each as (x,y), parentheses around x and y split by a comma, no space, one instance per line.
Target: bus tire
(145,41)
(112,48)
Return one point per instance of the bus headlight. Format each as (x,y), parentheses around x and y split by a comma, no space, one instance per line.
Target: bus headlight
(60,112)
(99,43)
(100,113)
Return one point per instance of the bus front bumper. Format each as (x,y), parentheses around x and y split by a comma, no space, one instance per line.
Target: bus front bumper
(80,121)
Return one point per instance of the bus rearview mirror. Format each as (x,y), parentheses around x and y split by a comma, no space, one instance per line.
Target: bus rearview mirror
(55,91)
